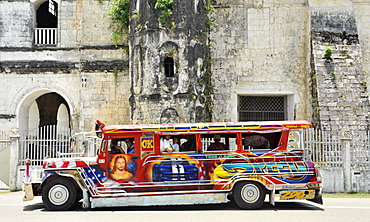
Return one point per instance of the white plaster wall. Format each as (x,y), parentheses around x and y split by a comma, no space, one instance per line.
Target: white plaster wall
(332,179)
(33,118)
(63,116)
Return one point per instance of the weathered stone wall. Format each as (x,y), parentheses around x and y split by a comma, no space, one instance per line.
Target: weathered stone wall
(258,48)
(91,96)
(362,17)
(261,48)
(84,67)
(340,87)
(16,24)
(155,97)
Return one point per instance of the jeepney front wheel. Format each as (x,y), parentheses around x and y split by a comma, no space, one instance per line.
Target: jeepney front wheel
(249,195)
(59,194)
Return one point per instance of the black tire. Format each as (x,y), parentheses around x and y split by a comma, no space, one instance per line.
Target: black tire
(59,194)
(249,195)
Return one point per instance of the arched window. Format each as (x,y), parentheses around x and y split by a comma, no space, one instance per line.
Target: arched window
(46,23)
(169,67)
(47,15)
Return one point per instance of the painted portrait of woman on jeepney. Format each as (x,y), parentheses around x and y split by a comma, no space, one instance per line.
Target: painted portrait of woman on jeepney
(120,170)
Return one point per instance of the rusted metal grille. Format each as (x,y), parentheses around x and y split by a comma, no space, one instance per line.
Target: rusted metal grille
(262,108)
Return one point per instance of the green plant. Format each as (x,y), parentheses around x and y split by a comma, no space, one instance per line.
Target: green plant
(119,14)
(115,75)
(328,52)
(333,74)
(135,14)
(166,7)
(206,79)
(138,28)
(209,9)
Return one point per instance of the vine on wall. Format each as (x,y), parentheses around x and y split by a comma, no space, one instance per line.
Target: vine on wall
(166,7)
(206,80)
(119,14)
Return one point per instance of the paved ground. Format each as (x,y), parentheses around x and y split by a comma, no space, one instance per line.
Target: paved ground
(12,208)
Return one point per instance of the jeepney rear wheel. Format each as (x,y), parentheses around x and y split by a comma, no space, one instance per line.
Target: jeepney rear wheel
(59,194)
(249,195)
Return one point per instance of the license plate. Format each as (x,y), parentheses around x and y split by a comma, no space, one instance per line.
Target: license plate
(297,195)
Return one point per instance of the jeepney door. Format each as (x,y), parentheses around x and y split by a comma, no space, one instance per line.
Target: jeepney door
(123,157)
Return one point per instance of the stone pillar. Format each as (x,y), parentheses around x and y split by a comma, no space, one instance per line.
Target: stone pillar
(346,155)
(14,151)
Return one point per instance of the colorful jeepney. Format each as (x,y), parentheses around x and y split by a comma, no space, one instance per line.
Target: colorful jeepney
(207,163)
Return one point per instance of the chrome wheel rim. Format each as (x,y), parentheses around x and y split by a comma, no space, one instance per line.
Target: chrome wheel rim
(250,193)
(58,194)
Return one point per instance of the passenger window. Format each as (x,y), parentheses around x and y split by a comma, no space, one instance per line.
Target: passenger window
(219,142)
(187,143)
(169,144)
(122,146)
(255,141)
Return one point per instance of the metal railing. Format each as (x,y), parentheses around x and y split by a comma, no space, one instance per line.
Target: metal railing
(47,141)
(326,149)
(55,142)
(45,36)
(4,140)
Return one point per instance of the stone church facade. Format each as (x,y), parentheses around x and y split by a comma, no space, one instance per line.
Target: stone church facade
(246,60)
(254,52)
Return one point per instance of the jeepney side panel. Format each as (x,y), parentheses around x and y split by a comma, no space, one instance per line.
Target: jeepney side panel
(214,171)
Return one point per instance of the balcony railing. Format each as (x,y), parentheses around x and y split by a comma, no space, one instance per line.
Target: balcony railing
(46,36)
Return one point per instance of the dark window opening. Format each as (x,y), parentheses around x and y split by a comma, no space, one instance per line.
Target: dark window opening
(262,108)
(169,67)
(48,105)
(47,15)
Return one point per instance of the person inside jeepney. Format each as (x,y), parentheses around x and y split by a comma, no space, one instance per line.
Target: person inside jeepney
(256,141)
(176,144)
(165,145)
(120,169)
(217,145)
(115,149)
(189,145)
(130,146)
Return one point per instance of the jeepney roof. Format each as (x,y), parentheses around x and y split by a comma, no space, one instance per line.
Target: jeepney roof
(206,126)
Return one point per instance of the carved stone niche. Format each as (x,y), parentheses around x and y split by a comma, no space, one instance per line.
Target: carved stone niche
(169,65)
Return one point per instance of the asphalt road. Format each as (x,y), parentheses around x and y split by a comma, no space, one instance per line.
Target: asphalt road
(12,208)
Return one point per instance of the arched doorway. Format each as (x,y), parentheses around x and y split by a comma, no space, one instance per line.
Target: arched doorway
(45,126)
(49,106)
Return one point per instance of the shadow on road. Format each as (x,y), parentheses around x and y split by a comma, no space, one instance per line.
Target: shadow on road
(32,207)
(279,206)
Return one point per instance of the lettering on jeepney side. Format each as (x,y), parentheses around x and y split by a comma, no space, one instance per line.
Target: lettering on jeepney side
(284,169)
(147,144)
